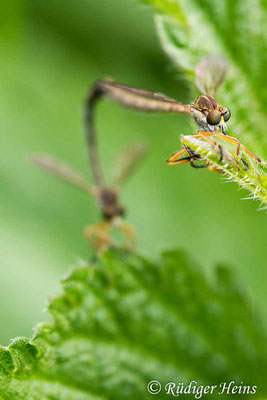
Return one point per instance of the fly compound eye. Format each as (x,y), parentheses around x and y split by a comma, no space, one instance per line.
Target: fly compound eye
(226,114)
(214,117)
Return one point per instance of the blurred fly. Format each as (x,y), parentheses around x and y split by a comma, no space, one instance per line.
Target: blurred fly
(103,233)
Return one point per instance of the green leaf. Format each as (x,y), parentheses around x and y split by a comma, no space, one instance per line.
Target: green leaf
(169,7)
(123,321)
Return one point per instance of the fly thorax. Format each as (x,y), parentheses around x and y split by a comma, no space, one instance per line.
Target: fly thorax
(200,109)
(205,102)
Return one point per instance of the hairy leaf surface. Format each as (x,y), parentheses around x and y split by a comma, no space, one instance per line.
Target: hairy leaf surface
(123,321)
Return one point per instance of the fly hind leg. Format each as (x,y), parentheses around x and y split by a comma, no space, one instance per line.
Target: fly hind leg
(205,135)
(239,146)
(99,235)
(192,156)
(174,157)
(175,160)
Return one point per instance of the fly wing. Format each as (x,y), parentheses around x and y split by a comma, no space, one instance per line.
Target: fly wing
(64,172)
(209,73)
(126,163)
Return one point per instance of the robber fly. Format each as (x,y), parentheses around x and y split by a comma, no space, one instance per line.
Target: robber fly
(209,115)
(102,234)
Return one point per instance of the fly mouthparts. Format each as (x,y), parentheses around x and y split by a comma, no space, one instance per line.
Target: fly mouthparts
(222,129)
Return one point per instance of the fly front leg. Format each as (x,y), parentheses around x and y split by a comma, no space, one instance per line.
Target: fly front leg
(231,139)
(215,169)
(192,156)
(205,135)
(174,157)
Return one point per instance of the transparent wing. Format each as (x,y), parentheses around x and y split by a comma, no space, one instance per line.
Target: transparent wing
(209,73)
(126,163)
(64,172)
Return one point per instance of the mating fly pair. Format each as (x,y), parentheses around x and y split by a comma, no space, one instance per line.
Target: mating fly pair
(208,114)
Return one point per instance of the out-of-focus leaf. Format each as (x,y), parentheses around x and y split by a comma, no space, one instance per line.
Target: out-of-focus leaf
(169,7)
(123,321)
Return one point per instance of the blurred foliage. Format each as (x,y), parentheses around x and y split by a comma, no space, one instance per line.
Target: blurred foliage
(125,320)
(50,55)
(170,7)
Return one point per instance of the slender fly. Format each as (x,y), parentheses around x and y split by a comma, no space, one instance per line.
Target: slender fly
(210,116)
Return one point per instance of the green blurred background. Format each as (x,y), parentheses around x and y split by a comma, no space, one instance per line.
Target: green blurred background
(51,52)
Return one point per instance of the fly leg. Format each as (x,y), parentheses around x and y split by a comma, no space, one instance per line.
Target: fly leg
(231,139)
(205,135)
(195,156)
(99,235)
(129,238)
(192,156)
(206,165)
(173,159)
